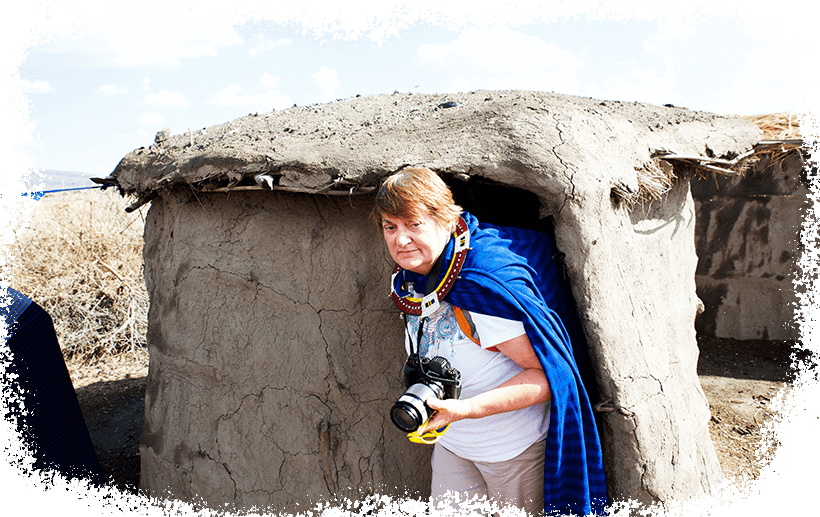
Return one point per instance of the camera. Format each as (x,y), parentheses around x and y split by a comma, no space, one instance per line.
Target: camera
(423,378)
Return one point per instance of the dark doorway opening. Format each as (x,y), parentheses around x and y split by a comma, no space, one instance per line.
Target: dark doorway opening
(499,204)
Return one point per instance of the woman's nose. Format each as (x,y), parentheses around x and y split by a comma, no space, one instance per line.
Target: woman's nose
(402,238)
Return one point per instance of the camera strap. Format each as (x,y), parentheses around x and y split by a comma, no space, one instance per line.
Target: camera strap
(429,288)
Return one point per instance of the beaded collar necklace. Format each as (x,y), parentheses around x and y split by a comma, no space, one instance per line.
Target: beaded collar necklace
(430,303)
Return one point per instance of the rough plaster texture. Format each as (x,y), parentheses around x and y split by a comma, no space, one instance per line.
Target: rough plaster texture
(639,304)
(269,378)
(748,241)
(274,358)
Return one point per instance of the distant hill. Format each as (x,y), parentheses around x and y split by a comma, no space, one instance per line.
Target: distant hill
(50,179)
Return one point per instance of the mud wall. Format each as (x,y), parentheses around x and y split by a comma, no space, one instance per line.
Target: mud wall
(275,350)
(748,240)
(638,304)
(275,353)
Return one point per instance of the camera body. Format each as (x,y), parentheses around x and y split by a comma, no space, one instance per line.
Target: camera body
(424,378)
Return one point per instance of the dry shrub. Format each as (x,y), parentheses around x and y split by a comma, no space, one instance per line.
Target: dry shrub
(80,259)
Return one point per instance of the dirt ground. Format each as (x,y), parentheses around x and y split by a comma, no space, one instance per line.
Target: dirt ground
(740,379)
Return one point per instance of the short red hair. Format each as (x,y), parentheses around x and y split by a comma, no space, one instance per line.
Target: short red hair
(414,191)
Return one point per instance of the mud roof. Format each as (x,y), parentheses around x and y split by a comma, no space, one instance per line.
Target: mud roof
(530,140)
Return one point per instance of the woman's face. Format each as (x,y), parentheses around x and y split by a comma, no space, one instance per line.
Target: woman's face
(414,242)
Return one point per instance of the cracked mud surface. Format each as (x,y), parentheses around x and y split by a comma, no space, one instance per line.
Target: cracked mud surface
(741,379)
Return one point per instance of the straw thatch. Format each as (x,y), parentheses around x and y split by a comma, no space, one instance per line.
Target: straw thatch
(780,137)
(778,126)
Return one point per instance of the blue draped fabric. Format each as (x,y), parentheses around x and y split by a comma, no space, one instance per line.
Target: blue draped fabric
(46,413)
(511,273)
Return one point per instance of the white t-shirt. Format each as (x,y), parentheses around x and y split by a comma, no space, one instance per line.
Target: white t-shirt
(496,437)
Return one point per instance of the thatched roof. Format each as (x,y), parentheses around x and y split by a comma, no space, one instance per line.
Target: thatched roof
(778,126)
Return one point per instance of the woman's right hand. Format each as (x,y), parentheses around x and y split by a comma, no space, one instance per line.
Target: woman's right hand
(446,412)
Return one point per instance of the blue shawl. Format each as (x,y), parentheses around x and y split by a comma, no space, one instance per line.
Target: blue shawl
(511,273)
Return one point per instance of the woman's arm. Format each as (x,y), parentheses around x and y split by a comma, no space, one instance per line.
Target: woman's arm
(523,390)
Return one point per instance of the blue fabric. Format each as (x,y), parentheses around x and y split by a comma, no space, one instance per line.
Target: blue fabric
(511,273)
(45,412)
(12,304)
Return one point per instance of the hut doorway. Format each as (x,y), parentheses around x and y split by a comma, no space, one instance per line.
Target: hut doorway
(503,205)
(499,204)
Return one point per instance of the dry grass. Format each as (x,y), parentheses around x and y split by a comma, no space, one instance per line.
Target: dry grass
(655,179)
(777,126)
(80,259)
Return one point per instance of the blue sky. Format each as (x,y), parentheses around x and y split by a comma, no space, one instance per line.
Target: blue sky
(101,81)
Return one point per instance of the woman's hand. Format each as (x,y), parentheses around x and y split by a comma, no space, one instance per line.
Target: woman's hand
(525,389)
(446,412)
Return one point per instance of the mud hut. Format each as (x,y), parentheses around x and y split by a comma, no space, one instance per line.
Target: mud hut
(275,349)
(748,238)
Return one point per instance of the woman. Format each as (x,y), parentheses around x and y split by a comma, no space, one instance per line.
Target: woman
(521,431)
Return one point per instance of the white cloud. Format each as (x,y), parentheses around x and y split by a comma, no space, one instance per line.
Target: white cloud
(166,98)
(36,86)
(498,50)
(228,96)
(327,79)
(262,44)
(539,81)
(717,66)
(111,90)
(750,90)
(145,37)
(268,81)
(261,101)
(151,117)
(460,84)
(674,34)
(501,58)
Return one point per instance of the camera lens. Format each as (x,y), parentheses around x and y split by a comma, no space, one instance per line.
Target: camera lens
(406,418)
(410,411)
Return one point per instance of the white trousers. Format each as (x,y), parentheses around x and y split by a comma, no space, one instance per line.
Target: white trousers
(517,482)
